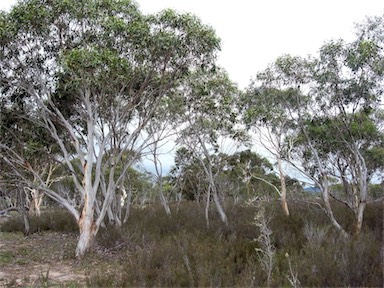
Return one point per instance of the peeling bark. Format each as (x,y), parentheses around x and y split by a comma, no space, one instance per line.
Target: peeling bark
(88,232)
(87,228)
(86,222)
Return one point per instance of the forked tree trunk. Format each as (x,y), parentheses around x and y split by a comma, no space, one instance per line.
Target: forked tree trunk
(216,200)
(328,207)
(325,189)
(219,207)
(164,201)
(37,199)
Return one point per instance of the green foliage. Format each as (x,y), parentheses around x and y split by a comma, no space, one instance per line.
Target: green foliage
(5,257)
(376,191)
(237,176)
(209,111)
(93,74)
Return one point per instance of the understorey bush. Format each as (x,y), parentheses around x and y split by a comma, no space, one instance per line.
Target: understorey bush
(154,249)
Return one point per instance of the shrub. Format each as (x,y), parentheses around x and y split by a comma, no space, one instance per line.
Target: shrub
(57,219)
(153,249)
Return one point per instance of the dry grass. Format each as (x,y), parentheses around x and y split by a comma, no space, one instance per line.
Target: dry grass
(156,250)
(44,259)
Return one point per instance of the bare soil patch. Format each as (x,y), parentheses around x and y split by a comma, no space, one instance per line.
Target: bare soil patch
(44,259)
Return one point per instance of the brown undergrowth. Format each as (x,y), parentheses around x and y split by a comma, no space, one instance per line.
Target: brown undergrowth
(153,249)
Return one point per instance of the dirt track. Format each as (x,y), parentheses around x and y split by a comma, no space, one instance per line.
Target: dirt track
(39,260)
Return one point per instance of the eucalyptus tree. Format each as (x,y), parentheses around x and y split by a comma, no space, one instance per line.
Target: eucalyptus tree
(208,114)
(270,107)
(246,176)
(342,164)
(97,70)
(161,129)
(18,131)
(187,177)
(348,90)
(333,106)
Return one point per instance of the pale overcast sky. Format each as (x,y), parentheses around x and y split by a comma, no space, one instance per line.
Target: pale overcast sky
(254,32)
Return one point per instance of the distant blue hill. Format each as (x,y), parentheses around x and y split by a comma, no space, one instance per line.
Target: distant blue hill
(312,189)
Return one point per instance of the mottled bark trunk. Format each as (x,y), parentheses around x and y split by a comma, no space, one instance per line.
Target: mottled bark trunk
(86,222)
(87,235)
(23,212)
(88,230)
(283,188)
(363,187)
(37,199)
(359,218)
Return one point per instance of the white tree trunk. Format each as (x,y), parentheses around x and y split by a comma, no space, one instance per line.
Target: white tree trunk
(207,206)
(283,187)
(219,207)
(325,188)
(127,205)
(88,232)
(88,228)
(363,187)
(37,199)
(328,207)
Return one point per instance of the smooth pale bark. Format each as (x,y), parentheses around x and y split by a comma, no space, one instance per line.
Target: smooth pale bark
(219,207)
(335,223)
(355,187)
(87,227)
(160,131)
(323,182)
(35,203)
(212,185)
(363,187)
(207,205)
(127,205)
(274,142)
(283,188)
(110,111)
(163,199)
(360,217)
(88,230)
(326,196)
